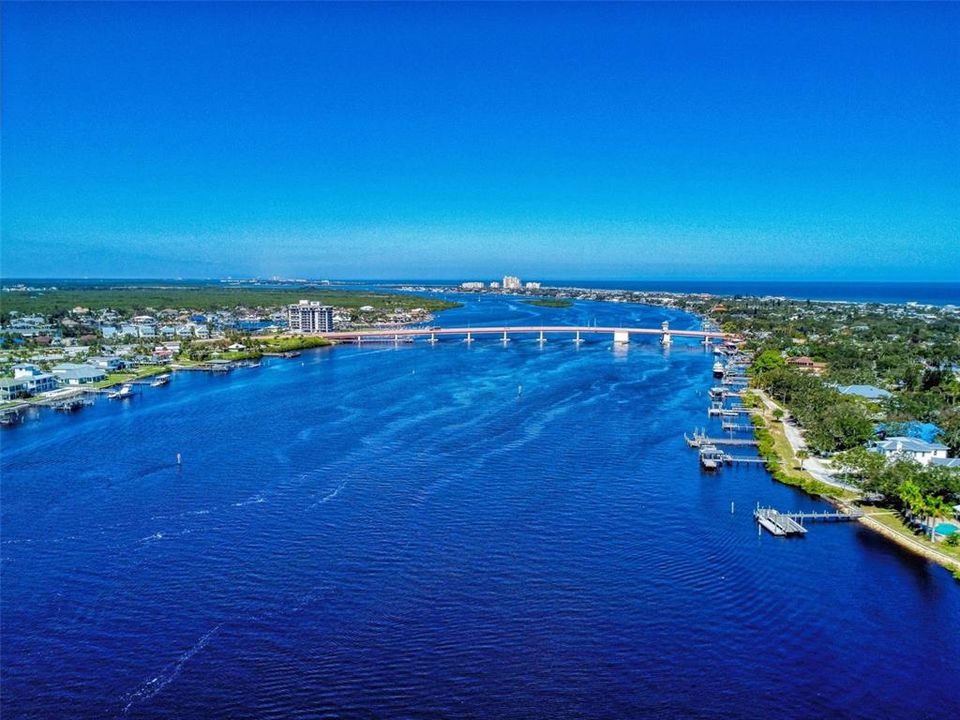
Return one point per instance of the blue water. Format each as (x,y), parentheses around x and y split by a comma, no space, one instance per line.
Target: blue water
(396,532)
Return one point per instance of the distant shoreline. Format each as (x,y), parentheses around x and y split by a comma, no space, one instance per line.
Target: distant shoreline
(883,293)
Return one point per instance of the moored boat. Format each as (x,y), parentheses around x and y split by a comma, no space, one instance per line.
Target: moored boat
(160,381)
(123,393)
(718,369)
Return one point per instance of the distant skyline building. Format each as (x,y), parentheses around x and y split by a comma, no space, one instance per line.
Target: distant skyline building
(494,285)
(309,316)
(511,282)
(472,285)
(532,286)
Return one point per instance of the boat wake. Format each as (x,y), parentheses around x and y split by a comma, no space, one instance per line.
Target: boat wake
(155,685)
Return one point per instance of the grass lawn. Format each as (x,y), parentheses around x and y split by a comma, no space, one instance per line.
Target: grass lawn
(789,471)
(895,521)
(139,373)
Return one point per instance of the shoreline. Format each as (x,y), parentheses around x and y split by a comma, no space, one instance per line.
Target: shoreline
(904,540)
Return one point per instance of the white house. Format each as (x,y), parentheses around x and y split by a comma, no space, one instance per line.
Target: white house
(27,379)
(78,374)
(908,448)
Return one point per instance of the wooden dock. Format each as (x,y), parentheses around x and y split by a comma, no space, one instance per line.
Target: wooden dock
(736,427)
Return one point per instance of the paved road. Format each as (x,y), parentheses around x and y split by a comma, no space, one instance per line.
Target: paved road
(818,468)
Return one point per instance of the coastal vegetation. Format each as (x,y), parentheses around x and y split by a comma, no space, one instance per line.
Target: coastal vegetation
(137,298)
(911,354)
(903,365)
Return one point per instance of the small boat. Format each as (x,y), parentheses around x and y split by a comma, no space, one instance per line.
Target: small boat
(160,381)
(718,369)
(123,393)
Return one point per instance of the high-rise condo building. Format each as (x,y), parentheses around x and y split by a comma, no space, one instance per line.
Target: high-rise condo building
(309,316)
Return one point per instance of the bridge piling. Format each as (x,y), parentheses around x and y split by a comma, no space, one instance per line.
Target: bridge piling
(665,336)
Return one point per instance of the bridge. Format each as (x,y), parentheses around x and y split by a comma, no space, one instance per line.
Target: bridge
(433,334)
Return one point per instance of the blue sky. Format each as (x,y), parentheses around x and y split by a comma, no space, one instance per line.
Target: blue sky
(626,141)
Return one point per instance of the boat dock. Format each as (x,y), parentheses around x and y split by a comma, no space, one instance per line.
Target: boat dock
(71,404)
(700,439)
(792,523)
(777,523)
(743,459)
(736,427)
(715,410)
(13,415)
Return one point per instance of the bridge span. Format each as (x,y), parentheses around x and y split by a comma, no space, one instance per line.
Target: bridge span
(619,334)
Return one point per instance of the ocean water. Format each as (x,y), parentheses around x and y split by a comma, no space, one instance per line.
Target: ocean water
(401,532)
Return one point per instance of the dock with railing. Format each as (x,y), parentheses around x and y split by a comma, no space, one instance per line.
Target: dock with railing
(792,523)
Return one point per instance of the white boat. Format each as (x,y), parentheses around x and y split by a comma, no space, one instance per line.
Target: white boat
(160,381)
(124,392)
(718,369)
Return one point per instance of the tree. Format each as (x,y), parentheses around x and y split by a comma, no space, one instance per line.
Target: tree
(801,456)
(766,361)
(937,508)
(866,466)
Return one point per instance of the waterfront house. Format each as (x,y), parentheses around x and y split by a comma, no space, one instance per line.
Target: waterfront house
(27,380)
(110,364)
(78,374)
(908,448)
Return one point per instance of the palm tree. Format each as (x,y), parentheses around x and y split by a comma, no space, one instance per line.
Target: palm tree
(938,508)
(801,456)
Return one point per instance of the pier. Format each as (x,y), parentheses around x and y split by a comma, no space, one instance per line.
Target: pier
(736,427)
(777,523)
(700,439)
(720,410)
(71,404)
(792,523)
(743,460)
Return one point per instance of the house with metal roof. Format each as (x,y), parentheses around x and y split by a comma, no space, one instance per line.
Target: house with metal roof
(27,380)
(869,392)
(908,448)
(78,374)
